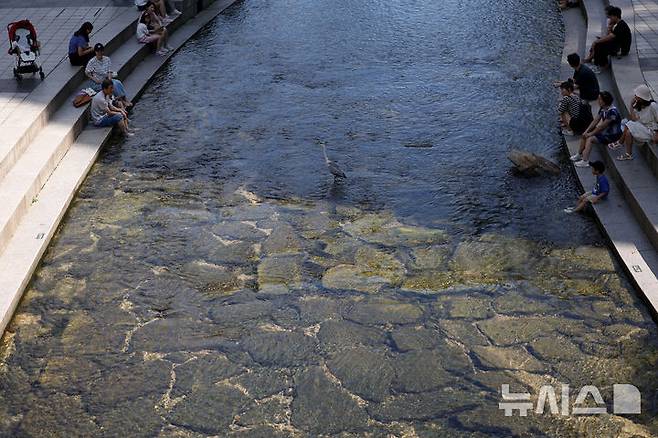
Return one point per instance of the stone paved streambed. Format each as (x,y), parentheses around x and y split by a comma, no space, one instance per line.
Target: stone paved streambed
(211,279)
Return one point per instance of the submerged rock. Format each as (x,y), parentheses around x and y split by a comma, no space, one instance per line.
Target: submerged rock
(362,371)
(384,229)
(271,411)
(373,270)
(283,349)
(469,307)
(416,338)
(463,331)
(173,334)
(322,407)
(129,381)
(510,358)
(234,314)
(420,371)
(264,382)
(210,409)
(422,406)
(203,371)
(282,240)
(280,270)
(213,279)
(58,415)
(236,230)
(133,418)
(372,313)
(431,257)
(492,257)
(352,277)
(339,333)
(507,331)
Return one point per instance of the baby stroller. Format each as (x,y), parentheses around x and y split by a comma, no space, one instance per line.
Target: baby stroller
(23,44)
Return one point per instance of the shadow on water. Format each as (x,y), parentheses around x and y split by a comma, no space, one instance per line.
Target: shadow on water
(213,278)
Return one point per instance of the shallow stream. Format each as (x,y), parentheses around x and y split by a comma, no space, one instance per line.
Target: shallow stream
(212,278)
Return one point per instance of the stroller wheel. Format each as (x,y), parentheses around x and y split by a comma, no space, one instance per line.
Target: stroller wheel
(17,75)
(42,74)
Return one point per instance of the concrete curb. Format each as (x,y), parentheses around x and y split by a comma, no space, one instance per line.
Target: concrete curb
(615,216)
(33,234)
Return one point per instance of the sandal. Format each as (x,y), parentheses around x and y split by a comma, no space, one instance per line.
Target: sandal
(625,157)
(614,146)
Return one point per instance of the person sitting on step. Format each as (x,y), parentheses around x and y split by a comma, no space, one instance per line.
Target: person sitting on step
(585,82)
(99,68)
(79,50)
(105,114)
(604,129)
(616,42)
(146,36)
(643,123)
(165,10)
(599,192)
(575,113)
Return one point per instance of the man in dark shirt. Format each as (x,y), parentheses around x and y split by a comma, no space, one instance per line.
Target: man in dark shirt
(584,79)
(617,41)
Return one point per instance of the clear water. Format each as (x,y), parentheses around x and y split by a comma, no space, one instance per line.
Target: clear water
(212,278)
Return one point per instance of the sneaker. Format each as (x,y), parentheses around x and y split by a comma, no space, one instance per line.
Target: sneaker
(175,13)
(575,157)
(596,69)
(569,210)
(129,134)
(162,52)
(567,132)
(581,163)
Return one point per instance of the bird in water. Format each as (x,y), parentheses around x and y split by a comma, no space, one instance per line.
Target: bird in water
(331,165)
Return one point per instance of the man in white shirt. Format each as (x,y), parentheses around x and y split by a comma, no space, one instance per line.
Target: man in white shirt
(104,114)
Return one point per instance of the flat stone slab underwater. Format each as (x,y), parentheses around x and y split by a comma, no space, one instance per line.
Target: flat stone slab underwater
(296,318)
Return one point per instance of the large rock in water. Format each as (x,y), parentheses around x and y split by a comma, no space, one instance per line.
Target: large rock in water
(531,164)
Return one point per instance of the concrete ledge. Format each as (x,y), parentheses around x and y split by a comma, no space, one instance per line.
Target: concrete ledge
(616,216)
(34,232)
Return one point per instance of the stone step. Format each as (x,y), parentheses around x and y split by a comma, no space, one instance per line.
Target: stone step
(20,186)
(40,220)
(627,74)
(640,189)
(24,180)
(594,11)
(31,116)
(621,216)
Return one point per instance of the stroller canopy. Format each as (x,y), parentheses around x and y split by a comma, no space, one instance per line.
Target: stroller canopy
(23,24)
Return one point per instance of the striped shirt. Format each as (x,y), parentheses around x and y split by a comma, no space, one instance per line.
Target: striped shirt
(99,69)
(570,105)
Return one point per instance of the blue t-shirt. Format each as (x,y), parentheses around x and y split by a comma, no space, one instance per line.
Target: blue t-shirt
(614,127)
(76,41)
(602,186)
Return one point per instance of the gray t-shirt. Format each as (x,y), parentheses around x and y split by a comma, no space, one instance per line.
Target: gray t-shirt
(99,106)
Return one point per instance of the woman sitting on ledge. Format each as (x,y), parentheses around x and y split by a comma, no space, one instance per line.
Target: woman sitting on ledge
(99,68)
(642,125)
(79,51)
(146,36)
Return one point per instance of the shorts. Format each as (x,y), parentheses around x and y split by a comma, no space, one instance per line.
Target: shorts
(607,139)
(149,39)
(106,121)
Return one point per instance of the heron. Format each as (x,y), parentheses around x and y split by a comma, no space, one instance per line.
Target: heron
(331,165)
